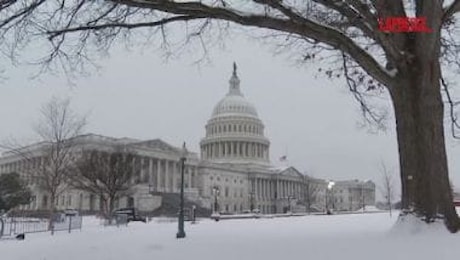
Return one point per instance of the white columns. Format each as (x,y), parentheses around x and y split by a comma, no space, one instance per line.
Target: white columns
(174,177)
(142,171)
(262,189)
(167,176)
(133,165)
(269,189)
(267,195)
(151,179)
(256,191)
(285,191)
(189,174)
(266,189)
(278,191)
(158,174)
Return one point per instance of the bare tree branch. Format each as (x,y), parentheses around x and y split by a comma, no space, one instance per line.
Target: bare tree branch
(299,26)
(451,10)
(454,124)
(54,34)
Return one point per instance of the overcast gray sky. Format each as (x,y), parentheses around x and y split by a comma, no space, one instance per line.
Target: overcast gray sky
(139,95)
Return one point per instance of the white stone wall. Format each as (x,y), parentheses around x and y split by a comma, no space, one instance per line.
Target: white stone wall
(233,195)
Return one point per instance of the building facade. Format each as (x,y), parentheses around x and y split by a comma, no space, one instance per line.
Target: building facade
(352,195)
(232,172)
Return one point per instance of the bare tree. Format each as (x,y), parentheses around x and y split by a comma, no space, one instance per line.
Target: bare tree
(50,161)
(58,126)
(310,193)
(388,188)
(108,174)
(409,66)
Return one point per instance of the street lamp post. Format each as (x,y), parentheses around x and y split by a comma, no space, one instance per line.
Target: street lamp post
(181,232)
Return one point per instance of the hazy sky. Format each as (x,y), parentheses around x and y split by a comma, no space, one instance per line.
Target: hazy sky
(139,95)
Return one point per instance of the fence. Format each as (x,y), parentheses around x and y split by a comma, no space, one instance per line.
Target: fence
(68,223)
(10,227)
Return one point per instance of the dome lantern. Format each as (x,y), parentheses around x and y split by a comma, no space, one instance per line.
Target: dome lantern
(234,83)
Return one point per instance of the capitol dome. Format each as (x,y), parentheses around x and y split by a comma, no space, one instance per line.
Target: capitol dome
(234,133)
(234,105)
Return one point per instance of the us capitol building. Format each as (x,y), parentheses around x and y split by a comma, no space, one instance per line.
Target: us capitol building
(232,168)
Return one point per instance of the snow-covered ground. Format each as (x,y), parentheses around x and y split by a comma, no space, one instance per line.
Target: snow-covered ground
(354,236)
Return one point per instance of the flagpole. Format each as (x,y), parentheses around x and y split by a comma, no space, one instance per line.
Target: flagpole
(287,157)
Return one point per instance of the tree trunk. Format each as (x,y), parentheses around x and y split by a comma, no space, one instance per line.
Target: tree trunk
(419,113)
(108,206)
(51,211)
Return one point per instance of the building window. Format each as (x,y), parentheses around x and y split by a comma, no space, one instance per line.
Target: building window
(45,202)
(226,191)
(80,202)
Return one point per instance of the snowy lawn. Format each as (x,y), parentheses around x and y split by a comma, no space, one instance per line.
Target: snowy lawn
(357,236)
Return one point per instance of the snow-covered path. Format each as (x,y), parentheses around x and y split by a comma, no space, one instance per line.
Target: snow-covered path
(360,236)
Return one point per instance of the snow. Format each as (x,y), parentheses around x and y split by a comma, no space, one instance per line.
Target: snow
(350,236)
(369,209)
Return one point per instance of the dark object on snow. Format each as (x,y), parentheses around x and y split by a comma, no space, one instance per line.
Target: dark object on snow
(131,213)
(329,212)
(21,236)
